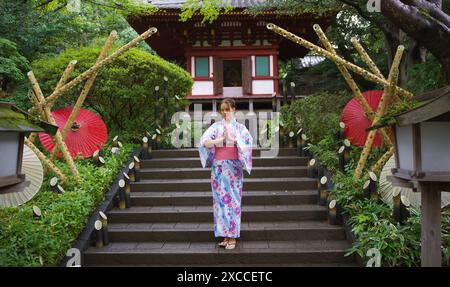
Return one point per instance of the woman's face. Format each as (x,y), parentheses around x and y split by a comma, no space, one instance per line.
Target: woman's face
(227,112)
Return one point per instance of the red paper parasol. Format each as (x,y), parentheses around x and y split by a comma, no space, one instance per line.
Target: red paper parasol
(87,134)
(356,122)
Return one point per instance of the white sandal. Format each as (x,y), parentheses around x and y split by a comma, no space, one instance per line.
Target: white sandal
(223,243)
(230,245)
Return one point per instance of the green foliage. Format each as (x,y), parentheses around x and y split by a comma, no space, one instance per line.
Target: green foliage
(124,7)
(317,114)
(396,108)
(371,221)
(295,7)
(13,65)
(40,30)
(326,152)
(210,9)
(124,91)
(24,239)
(399,245)
(425,76)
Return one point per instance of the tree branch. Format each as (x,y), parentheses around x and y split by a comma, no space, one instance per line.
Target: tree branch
(46,2)
(382,24)
(433,9)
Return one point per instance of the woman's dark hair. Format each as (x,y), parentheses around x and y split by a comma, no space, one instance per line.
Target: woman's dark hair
(229,102)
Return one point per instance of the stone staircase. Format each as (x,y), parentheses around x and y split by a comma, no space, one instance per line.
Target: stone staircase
(171,220)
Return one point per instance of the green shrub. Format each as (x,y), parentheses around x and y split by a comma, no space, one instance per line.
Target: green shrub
(373,225)
(24,240)
(425,76)
(318,114)
(13,66)
(326,152)
(124,91)
(371,222)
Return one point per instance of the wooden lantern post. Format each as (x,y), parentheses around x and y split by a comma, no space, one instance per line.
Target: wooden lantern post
(344,155)
(131,173)
(340,134)
(274,102)
(104,221)
(98,234)
(332,212)
(282,135)
(291,139)
(165,103)
(157,111)
(312,171)
(127,189)
(323,190)
(122,195)
(137,167)
(304,144)
(145,149)
(400,206)
(370,187)
(299,142)
(292,85)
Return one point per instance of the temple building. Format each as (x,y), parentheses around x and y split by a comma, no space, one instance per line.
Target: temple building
(235,56)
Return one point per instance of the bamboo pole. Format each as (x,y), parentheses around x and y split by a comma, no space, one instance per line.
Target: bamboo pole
(387,95)
(358,70)
(50,165)
(37,106)
(33,100)
(61,82)
(48,116)
(86,74)
(65,76)
(366,58)
(370,114)
(382,161)
(88,85)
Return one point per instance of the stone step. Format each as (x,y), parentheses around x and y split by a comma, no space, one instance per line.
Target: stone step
(208,253)
(193,152)
(183,162)
(282,183)
(199,172)
(144,214)
(276,197)
(250,231)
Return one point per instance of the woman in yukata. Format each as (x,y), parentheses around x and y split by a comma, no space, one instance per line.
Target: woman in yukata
(226,147)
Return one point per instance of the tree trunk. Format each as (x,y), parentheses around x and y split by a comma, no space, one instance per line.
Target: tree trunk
(431,31)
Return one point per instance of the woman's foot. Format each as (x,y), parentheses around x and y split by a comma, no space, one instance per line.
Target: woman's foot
(231,243)
(224,242)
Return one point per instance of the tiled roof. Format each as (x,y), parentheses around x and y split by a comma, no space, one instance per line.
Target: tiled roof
(176,4)
(309,61)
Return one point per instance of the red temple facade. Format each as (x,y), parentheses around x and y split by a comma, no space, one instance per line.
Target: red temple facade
(236,56)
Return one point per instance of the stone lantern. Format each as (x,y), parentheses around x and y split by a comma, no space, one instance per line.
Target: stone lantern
(13,127)
(422,153)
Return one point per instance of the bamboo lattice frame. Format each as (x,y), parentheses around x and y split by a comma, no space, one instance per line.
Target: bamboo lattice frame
(390,86)
(43,105)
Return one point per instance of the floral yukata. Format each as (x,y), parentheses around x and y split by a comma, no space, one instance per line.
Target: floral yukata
(227,176)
